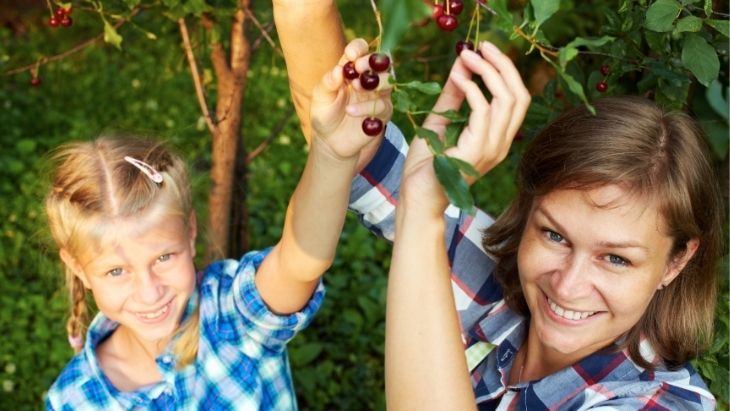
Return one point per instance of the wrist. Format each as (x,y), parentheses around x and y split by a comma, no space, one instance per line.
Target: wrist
(323,151)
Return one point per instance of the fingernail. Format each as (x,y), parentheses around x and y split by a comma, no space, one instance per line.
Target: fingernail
(491,48)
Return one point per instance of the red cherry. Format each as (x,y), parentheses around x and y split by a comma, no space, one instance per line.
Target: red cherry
(438,11)
(53,22)
(601,86)
(59,12)
(456,7)
(605,69)
(349,71)
(369,80)
(447,22)
(68,11)
(483,1)
(66,21)
(35,81)
(379,62)
(463,44)
(372,126)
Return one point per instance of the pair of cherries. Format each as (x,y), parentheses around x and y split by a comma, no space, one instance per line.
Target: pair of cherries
(369,80)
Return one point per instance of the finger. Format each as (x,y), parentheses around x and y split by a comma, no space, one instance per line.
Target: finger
(380,108)
(330,87)
(354,50)
(514,82)
(450,98)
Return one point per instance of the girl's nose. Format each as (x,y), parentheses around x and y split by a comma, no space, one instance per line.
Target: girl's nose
(149,290)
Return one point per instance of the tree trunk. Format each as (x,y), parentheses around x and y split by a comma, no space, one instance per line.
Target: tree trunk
(231,78)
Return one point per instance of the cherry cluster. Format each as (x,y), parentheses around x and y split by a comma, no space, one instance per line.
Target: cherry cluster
(369,80)
(445,14)
(61,17)
(601,86)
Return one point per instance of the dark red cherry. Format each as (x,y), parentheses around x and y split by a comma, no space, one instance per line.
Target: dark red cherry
(438,11)
(379,62)
(59,12)
(447,22)
(372,126)
(605,70)
(463,44)
(53,22)
(369,80)
(349,71)
(35,81)
(601,86)
(456,7)
(66,21)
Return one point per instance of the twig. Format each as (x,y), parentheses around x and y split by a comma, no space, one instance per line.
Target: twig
(379,21)
(531,40)
(264,32)
(73,50)
(196,77)
(275,132)
(257,42)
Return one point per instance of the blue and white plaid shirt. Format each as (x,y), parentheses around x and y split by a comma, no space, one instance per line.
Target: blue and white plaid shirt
(242,362)
(492,333)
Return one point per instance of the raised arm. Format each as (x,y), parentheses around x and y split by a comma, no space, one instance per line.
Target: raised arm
(311,36)
(425,368)
(317,208)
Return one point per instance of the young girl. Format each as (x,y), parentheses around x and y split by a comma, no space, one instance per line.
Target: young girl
(120,212)
(593,290)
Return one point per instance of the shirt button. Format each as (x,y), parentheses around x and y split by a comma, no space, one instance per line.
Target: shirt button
(167,359)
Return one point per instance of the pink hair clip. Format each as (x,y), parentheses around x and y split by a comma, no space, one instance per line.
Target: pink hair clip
(76,342)
(153,174)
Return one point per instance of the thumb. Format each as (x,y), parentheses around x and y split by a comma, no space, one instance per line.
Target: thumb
(329,87)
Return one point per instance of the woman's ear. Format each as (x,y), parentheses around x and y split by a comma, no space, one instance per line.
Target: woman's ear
(679,262)
(74,266)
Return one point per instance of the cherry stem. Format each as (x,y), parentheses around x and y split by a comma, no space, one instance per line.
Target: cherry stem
(50,8)
(471,22)
(476,36)
(380,25)
(535,43)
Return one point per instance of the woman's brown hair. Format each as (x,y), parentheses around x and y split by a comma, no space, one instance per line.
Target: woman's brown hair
(659,156)
(93,183)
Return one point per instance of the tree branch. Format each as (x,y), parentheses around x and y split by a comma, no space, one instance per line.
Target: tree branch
(73,50)
(196,76)
(239,45)
(264,32)
(275,132)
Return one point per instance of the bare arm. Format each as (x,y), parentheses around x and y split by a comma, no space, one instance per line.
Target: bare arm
(312,39)
(425,367)
(288,275)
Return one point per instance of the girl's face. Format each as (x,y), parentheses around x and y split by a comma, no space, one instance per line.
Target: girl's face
(590,262)
(142,274)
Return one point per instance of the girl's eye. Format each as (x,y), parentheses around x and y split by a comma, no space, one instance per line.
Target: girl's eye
(116,272)
(617,260)
(164,257)
(553,236)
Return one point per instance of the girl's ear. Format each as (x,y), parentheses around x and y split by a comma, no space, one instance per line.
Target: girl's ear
(74,266)
(193,231)
(679,262)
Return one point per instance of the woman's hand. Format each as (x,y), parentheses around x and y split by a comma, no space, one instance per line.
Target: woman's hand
(487,136)
(339,108)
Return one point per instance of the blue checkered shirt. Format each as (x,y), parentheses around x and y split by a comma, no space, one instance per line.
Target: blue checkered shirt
(603,380)
(242,362)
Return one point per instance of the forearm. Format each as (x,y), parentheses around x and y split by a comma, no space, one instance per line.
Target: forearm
(312,39)
(425,368)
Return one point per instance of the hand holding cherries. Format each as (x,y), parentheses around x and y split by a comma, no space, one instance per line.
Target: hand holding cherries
(369,80)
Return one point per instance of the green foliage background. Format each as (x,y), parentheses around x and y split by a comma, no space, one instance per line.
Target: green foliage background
(146,88)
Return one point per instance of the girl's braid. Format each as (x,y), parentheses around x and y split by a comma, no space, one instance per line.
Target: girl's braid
(77,323)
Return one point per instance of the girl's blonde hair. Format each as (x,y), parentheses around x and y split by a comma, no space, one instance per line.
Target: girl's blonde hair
(92,184)
(661,157)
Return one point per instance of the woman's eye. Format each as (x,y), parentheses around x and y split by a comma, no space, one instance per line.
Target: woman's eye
(617,260)
(553,236)
(164,257)
(116,272)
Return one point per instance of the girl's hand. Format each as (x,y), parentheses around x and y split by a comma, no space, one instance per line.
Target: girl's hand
(486,138)
(339,107)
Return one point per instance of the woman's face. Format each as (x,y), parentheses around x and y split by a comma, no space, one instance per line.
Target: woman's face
(590,262)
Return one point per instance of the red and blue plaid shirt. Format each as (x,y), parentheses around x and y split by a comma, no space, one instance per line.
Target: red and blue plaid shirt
(242,362)
(603,380)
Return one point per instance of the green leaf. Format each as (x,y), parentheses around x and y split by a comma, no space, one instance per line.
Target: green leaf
(723,26)
(689,23)
(717,135)
(661,15)
(305,354)
(708,8)
(544,9)
(402,101)
(566,54)
(432,138)
(111,36)
(457,191)
(431,88)
(591,43)
(464,167)
(398,16)
(25,146)
(574,86)
(503,20)
(700,58)
(718,103)
(452,134)
(132,3)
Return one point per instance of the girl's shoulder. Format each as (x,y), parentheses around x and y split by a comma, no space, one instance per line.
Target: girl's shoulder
(78,386)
